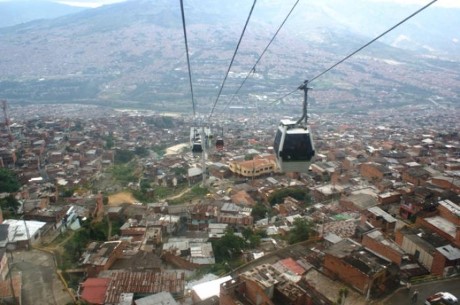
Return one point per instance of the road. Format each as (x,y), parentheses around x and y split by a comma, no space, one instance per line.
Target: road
(402,297)
(41,284)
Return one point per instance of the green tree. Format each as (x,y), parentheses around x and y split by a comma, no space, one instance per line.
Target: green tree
(294,192)
(66,193)
(253,238)
(9,182)
(228,247)
(248,157)
(144,185)
(179,171)
(300,230)
(9,203)
(109,143)
(141,151)
(123,156)
(259,211)
(89,231)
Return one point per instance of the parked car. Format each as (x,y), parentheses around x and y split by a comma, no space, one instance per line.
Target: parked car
(441,298)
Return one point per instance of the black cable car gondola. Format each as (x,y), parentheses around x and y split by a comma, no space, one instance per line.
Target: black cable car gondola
(197,147)
(294,147)
(220,144)
(220,141)
(195,141)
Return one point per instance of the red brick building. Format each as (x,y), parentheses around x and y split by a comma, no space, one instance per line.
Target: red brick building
(264,285)
(431,250)
(374,171)
(101,256)
(348,261)
(416,176)
(378,218)
(447,183)
(378,243)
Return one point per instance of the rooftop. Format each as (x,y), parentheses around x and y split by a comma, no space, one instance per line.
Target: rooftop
(381,213)
(452,207)
(147,282)
(22,230)
(210,288)
(442,224)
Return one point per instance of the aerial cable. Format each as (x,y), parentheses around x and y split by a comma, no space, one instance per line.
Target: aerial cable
(361,48)
(233,58)
(253,69)
(188,57)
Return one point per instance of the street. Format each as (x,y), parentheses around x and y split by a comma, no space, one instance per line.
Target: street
(41,284)
(402,296)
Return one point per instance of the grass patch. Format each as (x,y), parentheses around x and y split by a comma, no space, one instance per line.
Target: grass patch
(195,193)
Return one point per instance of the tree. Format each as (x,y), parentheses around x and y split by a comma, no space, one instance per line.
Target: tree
(9,182)
(123,156)
(253,238)
(294,192)
(109,143)
(228,247)
(248,157)
(141,151)
(300,230)
(9,203)
(259,211)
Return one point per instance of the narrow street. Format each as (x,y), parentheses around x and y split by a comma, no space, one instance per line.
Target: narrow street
(39,278)
(402,296)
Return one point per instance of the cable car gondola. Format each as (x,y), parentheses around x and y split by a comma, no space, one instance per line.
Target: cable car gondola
(294,147)
(195,141)
(220,141)
(197,147)
(219,144)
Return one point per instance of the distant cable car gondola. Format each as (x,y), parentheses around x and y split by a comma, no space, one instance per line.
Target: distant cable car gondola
(220,144)
(195,141)
(220,141)
(294,147)
(197,147)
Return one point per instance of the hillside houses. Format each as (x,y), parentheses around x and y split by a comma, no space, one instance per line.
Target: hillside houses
(382,202)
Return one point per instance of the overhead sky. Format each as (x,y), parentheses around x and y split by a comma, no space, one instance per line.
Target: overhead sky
(97,3)
(89,3)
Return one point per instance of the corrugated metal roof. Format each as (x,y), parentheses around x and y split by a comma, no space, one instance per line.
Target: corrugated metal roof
(145,283)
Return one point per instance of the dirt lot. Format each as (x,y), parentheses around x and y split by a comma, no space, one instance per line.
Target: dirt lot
(40,283)
(120,198)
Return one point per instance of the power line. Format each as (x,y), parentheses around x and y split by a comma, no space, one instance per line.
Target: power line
(188,57)
(253,69)
(233,58)
(361,48)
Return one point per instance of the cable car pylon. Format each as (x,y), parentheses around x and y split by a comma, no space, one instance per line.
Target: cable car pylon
(294,147)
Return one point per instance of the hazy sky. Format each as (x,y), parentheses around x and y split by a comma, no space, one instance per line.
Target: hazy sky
(89,3)
(96,3)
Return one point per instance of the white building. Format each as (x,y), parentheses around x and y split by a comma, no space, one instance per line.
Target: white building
(23,233)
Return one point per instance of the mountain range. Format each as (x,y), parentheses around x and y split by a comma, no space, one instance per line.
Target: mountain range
(18,12)
(132,54)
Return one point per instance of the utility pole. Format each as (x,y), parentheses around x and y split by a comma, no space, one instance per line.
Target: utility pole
(7,121)
(204,141)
